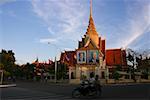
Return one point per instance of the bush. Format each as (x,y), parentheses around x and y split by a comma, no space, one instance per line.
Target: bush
(116,75)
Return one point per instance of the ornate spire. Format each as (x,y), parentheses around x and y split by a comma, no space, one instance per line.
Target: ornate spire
(91,30)
(91,27)
(90,8)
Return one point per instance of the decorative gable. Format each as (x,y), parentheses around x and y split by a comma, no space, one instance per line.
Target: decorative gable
(90,44)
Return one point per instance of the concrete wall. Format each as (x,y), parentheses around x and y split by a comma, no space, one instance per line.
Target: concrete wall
(74,81)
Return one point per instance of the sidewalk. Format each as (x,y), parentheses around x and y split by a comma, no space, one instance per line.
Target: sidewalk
(8,85)
(122,84)
(108,84)
(58,83)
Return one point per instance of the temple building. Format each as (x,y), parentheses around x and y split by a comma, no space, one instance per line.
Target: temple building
(41,69)
(91,55)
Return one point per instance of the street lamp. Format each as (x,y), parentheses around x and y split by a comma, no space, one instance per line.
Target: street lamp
(55,62)
(55,70)
(2,73)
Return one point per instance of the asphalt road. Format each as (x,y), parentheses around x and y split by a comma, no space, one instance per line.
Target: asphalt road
(47,91)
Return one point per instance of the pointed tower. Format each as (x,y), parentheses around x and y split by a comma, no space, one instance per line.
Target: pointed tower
(91,30)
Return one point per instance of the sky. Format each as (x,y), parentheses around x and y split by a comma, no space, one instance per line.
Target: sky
(44,28)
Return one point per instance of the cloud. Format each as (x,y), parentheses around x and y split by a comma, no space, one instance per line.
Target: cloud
(142,42)
(133,21)
(64,18)
(51,31)
(67,19)
(138,20)
(48,40)
(68,49)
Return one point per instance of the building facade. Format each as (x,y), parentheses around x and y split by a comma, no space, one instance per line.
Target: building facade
(91,55)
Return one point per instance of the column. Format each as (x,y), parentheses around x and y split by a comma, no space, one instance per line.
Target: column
(77,72)
(106,74)
(69,73)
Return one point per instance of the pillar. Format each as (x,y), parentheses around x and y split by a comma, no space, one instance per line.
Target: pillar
(70,73)
(77,72)
(106,74)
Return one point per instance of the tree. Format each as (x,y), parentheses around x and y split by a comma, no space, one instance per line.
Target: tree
(7,62)
(144,66)
(115,74)
(28,70)
(139,61)
(62,71)
(132,60)
(1,66)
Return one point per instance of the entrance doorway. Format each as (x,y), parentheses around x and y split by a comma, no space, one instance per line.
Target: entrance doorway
(103,75)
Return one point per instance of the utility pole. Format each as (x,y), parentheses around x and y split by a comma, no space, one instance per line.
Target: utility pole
(55,61)
(55,70)
(1,82)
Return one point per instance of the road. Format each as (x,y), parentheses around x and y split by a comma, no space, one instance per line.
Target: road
(48,91)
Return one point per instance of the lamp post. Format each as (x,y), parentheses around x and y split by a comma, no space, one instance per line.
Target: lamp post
(55,70)
(1,81)
(55,62)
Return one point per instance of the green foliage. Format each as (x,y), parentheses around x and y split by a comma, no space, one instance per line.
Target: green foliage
(118,68)
(7,61)
(1,66)
(83,77)
(28,70)
(131,57)
(61,71)
(6,74)
(116,75)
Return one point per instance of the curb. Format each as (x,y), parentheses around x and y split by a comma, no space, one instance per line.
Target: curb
(10,85)
(127,84)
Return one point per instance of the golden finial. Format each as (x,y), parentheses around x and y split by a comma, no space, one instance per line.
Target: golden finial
(90,7)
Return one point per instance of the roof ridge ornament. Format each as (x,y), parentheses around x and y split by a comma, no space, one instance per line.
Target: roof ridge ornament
(91,27)
(90,8)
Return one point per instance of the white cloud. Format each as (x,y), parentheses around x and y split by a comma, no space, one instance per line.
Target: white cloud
(68,49)
(131,24)
(48,40)
(51,31)
(64,18)
(67,19)
(139,21)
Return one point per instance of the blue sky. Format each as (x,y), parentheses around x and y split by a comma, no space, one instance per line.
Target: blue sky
(26,26)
